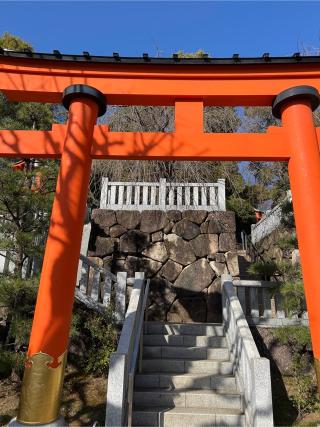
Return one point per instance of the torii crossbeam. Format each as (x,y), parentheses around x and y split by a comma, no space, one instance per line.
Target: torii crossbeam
(85,84)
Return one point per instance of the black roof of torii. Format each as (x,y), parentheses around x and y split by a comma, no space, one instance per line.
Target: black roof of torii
(146,59)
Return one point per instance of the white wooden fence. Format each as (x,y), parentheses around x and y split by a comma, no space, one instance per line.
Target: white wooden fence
(264,307)
(163,195)
(270,222)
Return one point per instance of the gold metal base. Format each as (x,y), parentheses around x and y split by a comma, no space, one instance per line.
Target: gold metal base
(41,389)
(317,368)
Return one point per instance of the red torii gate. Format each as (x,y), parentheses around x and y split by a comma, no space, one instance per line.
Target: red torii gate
(87,83)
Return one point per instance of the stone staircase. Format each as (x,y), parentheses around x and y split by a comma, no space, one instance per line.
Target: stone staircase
(186,378)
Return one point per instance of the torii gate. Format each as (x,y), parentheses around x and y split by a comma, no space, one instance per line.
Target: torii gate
(85,84)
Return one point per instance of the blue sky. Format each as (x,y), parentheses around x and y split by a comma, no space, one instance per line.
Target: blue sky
(131,28)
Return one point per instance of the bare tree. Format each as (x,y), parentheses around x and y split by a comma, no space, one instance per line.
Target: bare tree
(161,119)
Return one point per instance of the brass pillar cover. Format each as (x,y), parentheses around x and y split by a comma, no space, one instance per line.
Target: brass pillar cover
(41,389)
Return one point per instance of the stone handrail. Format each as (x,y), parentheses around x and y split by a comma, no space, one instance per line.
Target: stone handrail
(97,286)
(251,370)
(163,195)
(124,362)
(264,306)
(270,222)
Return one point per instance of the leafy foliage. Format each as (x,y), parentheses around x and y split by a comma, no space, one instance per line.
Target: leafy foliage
(263,269)
(8,41)
(297,337)
(304,395)
(25,203)
(100,336)
(18,296)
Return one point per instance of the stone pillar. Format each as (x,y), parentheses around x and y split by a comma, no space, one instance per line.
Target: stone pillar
(294,106)
(47,353)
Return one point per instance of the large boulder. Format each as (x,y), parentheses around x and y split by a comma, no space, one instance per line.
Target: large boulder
(152,221)
(225,219)
(186,229)
(174,216)
(117,230)
(205,245)
(214,226)
(128,219)
(220,257)
(232,263)
(102,247)
(204,227)
(107,262)
(219,267)
(195,277)
(179,250)
(157,312)
(195,216)
(214,302)
(148,266)
(227,242)
(171,270)
(157,236)
(168,228)
(118,265)
(161,292)
(134,241)
(103,217)
(157,251)
(187,310)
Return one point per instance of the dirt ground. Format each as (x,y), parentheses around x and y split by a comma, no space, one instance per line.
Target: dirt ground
(83,401)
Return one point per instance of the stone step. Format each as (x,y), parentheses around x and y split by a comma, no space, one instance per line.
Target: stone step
(191,366)
(186,381)
(209,329)
(180,352)
(186,417)
(184,340)
(187,398)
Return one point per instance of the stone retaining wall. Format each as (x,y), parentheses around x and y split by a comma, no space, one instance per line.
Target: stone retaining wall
(183,253)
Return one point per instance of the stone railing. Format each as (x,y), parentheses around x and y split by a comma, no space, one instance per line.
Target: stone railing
(263,306)
(163,196)
(125,361)
(251,370)
(97,288)
(270,222)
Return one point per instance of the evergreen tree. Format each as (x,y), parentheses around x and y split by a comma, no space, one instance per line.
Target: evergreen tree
(26,185)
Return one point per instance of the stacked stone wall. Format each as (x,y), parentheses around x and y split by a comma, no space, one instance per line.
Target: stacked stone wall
(183,253)
(269,247)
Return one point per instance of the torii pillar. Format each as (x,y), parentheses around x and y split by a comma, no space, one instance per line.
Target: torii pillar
(294,106)
(47,354)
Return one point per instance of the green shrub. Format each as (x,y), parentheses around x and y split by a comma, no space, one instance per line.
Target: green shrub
(10,362)
(304,396)
(263,270)
(18,296)
(293,297)
(297,337)
(99,333)
(287,242)
(288,271)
